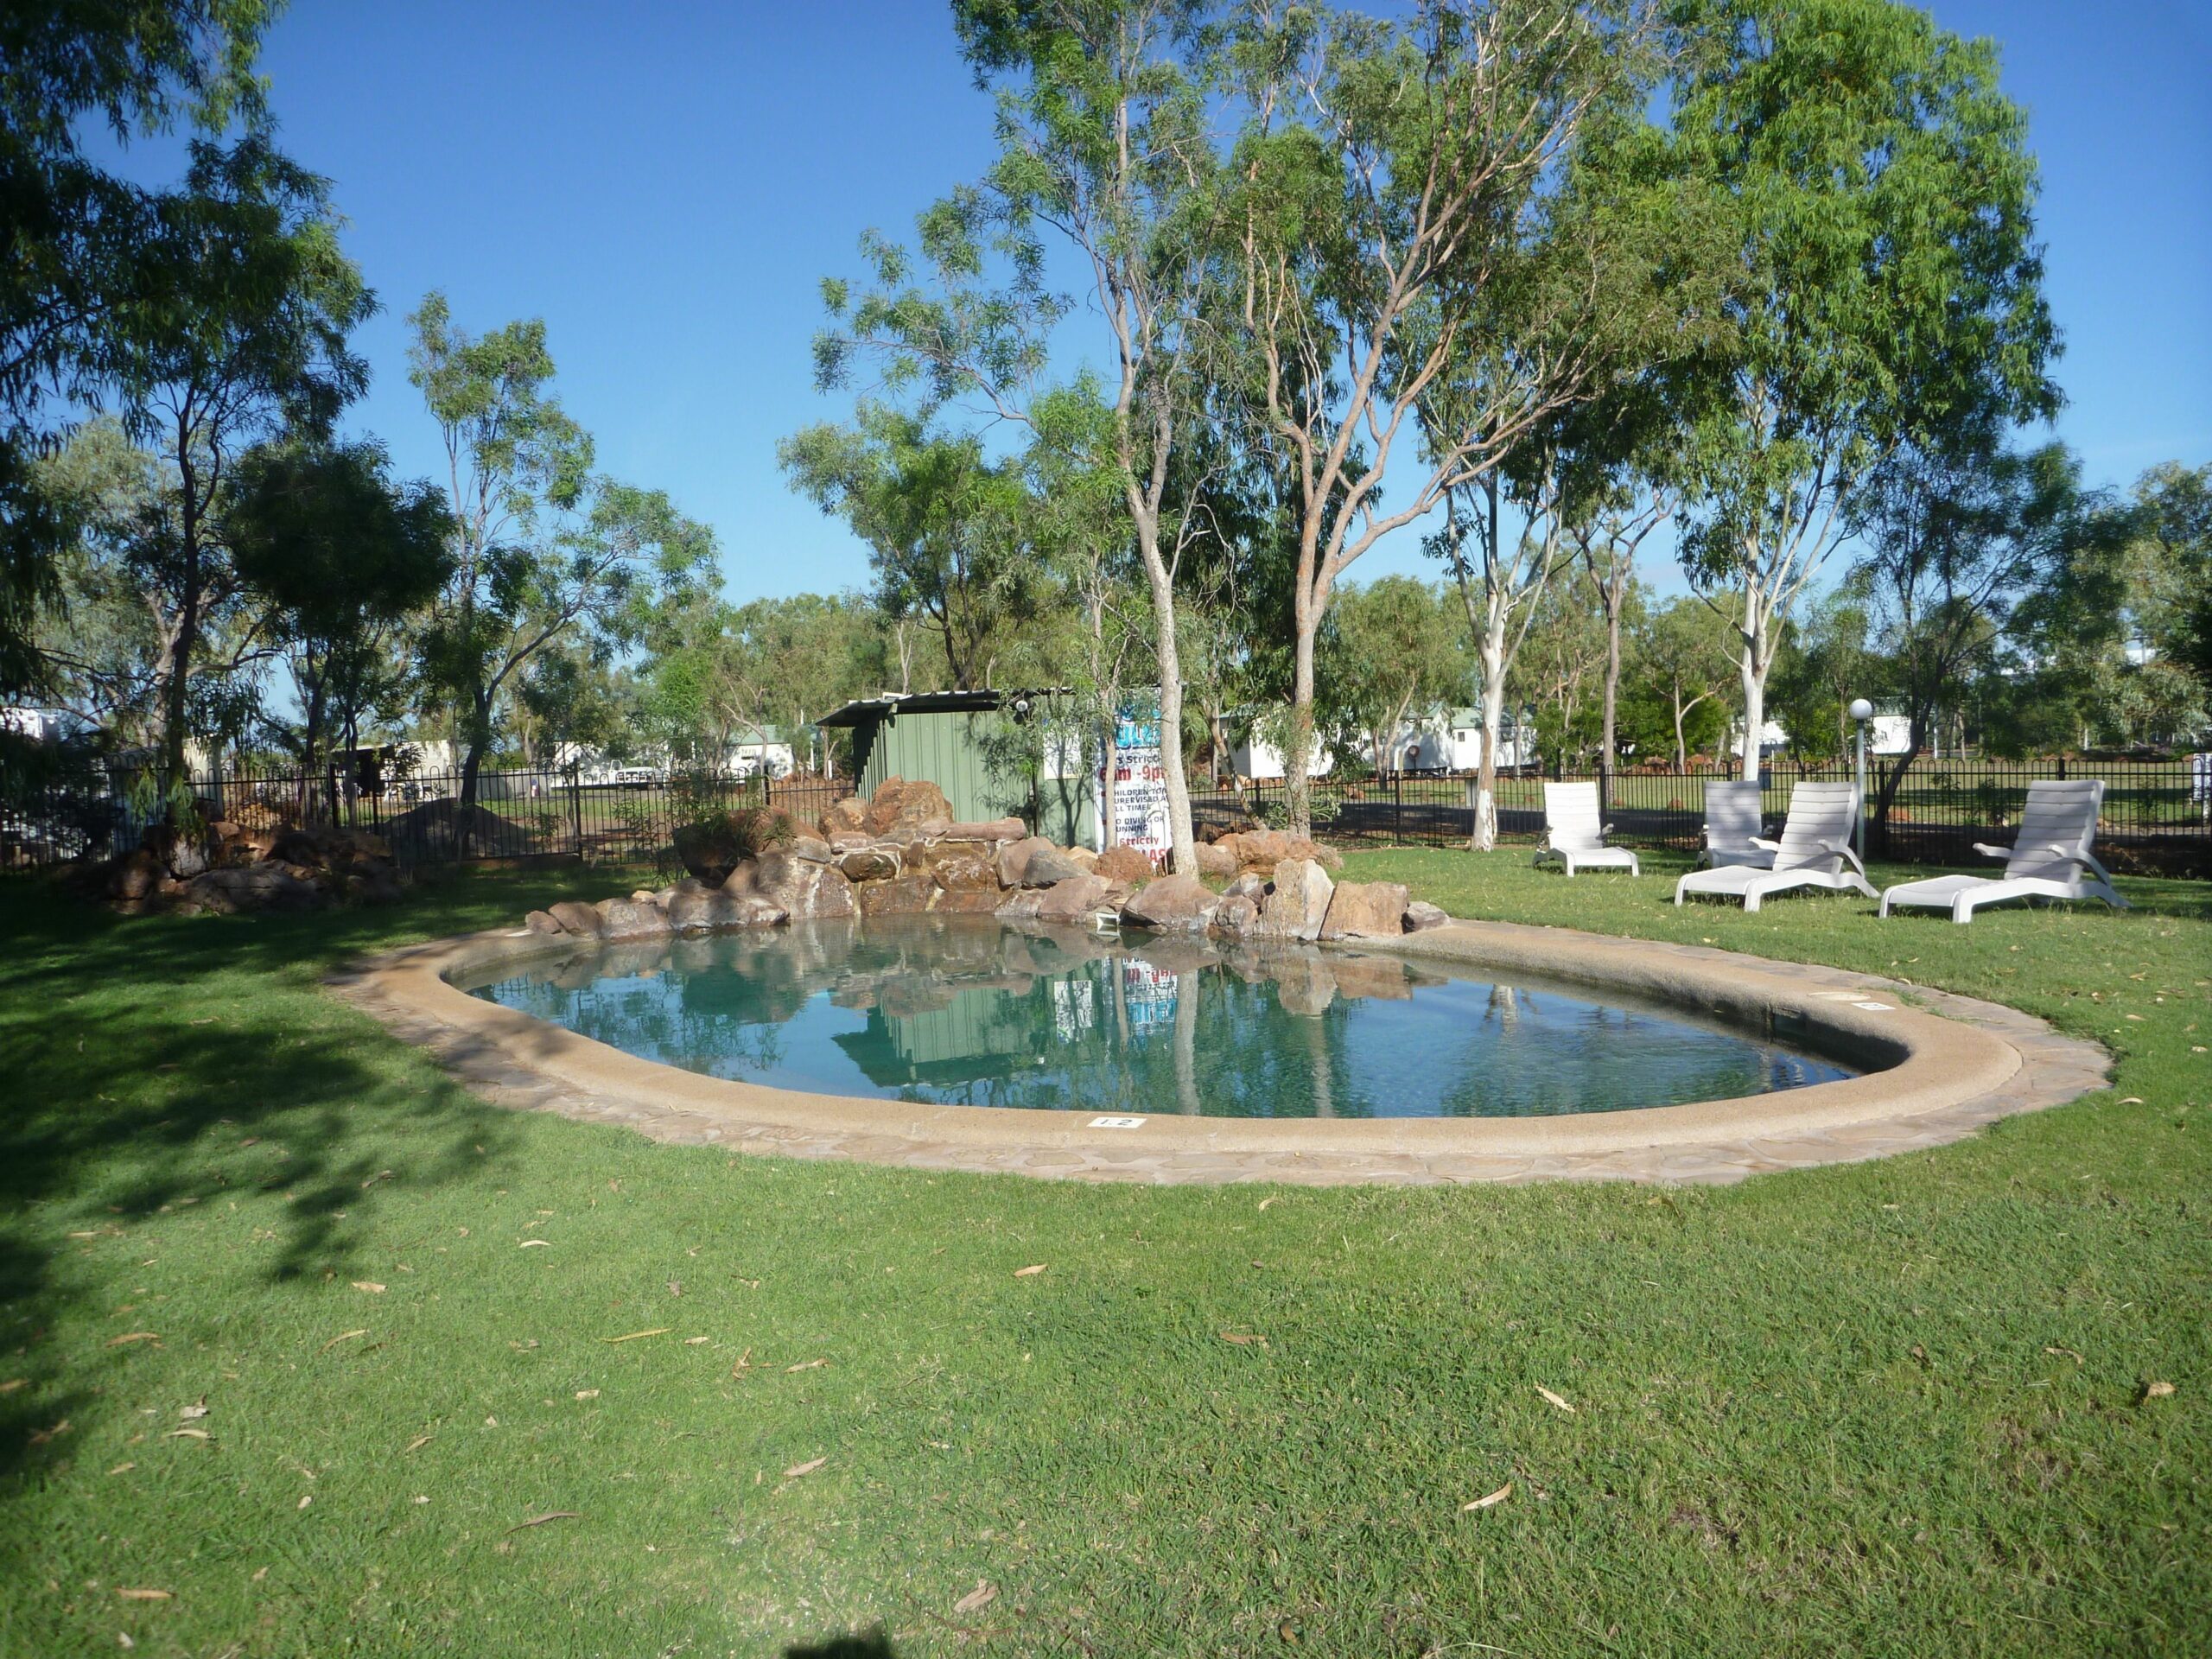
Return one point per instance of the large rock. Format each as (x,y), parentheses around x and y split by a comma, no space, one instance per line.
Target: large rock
(1171,902)
(715,910)
(1013,859)
(843,817)
(1251,886)
(626,918)
(812,848)
(1237,916)
(1216,863)
(1049,866)
(576,917)
(908,895)
(803,890)
(253,886)
(1421,916)
(959,867)
(1075,900)
(1262,849)
(968,901)
(539,922)
(135,875)
(1365,910)
(1124,864)
(869,864)
(898,805)
(1298,902)
(993,831)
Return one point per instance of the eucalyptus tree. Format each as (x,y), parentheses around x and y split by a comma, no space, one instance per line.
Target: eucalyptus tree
(1397,651)
(1880,193)
(74,236)
(335,556)
(1105,144)
(545,551)
(945,526)
(1445,237)
(1682,657)
(243,338)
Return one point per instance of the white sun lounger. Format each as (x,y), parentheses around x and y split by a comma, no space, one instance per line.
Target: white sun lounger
(1815,851)
(2050,858)
(1733,823)
(1574,836)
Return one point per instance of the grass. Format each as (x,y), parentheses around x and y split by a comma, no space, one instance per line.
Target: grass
(1901,1407)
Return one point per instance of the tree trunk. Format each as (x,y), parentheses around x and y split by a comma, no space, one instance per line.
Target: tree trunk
(1681,748)
(1182,842)
(1485,835)
(1110,777)
(1298,790)
(1606,759)
(1752,674)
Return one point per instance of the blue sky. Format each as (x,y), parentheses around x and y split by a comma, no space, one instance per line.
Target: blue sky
(665,185)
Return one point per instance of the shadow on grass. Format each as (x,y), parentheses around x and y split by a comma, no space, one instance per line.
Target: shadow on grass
(869,1644)
(154,1065)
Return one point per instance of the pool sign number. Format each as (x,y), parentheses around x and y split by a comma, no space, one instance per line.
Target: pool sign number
(1117,1122)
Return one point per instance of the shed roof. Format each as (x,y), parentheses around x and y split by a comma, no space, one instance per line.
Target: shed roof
(889,705)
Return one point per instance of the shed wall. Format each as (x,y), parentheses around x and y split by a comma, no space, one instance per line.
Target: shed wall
(947,749)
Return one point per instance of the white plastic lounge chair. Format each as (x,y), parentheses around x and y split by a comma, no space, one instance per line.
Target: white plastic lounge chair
(1733,823)
(1815,851)
(2050,858)
(1574,836)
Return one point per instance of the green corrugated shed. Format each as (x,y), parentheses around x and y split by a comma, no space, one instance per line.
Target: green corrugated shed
(944,737)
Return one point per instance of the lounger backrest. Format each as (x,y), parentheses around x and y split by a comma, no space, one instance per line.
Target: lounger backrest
(1731,817)
(1820,815)
(2060,817)
(1571,817)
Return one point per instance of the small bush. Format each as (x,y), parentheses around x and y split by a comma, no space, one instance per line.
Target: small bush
(716,844)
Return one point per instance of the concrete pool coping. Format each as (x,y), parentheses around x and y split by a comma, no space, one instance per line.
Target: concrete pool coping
(1950,1064)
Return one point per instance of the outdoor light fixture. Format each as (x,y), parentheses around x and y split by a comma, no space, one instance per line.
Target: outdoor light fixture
(1862,711)
(1021,709)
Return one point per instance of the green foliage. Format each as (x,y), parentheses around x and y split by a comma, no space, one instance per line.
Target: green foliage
(1393,650)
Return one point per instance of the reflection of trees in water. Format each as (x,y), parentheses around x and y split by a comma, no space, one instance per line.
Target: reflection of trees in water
(960,1010)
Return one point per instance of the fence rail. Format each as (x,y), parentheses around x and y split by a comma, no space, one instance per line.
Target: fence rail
(2158,813)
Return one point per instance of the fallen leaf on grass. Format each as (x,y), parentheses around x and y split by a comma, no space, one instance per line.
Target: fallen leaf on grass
(1264,1203)
(586,1394)
(550,1514)
(2130,1100)
(1490,1502)
(693,1342)
(186,1434)
(123,1468)
(416,1444)
(2070,1353)
(344,1336)
(1555,1399)
(193,1414)
(1024,1272)
(744,1364)
(658,1330)
(132,1336)
(803,1365)
(13,1383)
(535,1244)
(369,1284)
(147,1595)
(2156,1390)
(982,1596)
(1244,1338)
(40,1436)
(306,1500)
(806,1468)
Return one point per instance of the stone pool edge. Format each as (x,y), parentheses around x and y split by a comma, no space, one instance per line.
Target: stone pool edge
(1958,1063)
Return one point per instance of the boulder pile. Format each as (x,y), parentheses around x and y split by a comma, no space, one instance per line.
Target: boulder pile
(252,861)
(901,852)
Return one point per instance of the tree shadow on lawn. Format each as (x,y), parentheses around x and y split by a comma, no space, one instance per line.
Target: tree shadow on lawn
(869,1644)
(150,1066)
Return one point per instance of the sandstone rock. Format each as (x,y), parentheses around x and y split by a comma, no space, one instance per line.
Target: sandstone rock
(1021,906)
(1171,902)
(803,890)
(1215,863)
(869,864)
(907,895)
(1013,859)
(135,875)
(961,872)
(579,920)
(1048,867)
(538,922)
(1298,902)
(1124,864)
(715,910)
(968,901)
(1076,900)
(1086,860)
(254,886)
(1366,910)
(626,918)
(1262,849)
(643,896)
(1254,887)
(841,818)
(898,804)
(995,830)
(812,848)
(1421,916)
(1237,916)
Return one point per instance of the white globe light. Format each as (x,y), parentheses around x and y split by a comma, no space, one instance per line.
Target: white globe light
(1861,710)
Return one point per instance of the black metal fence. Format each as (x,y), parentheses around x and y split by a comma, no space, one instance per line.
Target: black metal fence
(2158,813)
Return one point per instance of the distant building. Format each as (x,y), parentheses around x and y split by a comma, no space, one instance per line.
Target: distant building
(1262,762)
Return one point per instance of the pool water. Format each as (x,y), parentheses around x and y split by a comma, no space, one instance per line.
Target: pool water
(964,1011)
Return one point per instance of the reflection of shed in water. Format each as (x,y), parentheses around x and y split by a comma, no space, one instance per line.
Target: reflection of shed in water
(967,1040)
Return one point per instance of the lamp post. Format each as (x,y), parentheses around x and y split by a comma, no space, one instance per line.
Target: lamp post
(1862,711)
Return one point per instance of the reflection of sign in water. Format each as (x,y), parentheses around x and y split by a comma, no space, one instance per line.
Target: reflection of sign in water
(1073,1011)
(1139,789)
(1148,993)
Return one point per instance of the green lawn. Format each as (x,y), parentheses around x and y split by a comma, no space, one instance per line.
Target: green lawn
(1897,1409)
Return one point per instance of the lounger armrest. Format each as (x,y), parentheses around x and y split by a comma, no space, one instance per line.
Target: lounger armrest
(1762,842)
(1988,851)
(1841,848)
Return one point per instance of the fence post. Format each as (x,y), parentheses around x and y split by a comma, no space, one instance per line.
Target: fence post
(2061,768)
(1398,816)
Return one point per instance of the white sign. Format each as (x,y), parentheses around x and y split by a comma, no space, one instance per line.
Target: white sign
(1140,791)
